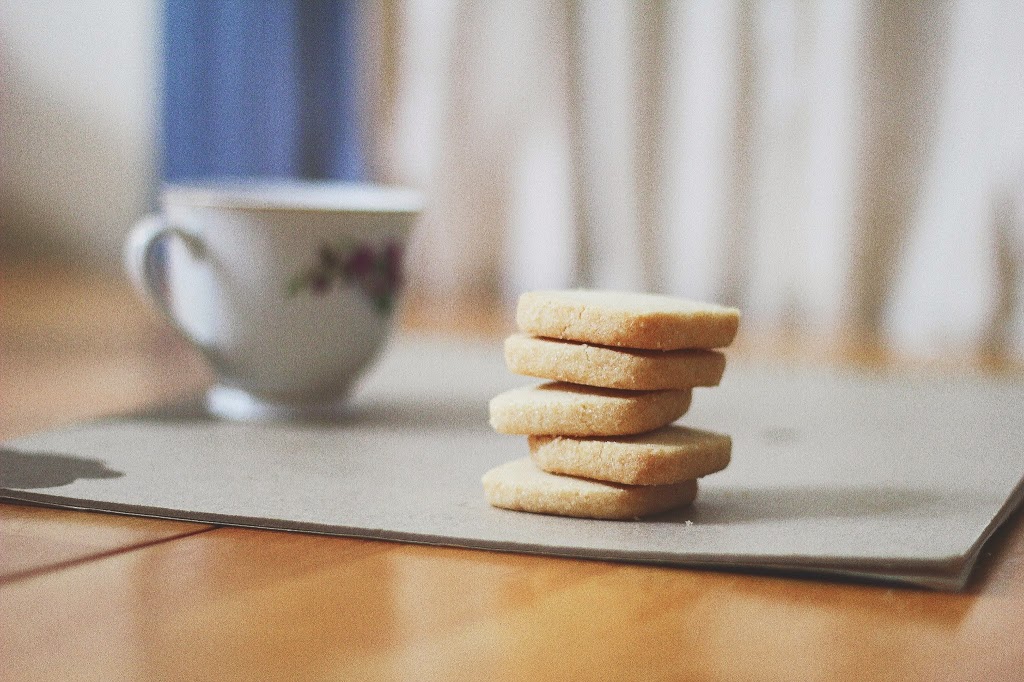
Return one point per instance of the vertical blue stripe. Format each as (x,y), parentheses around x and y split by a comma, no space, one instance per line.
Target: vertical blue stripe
(261,88)
(277,119)
(226,80)
(183,103)
(348,156)
(331,144)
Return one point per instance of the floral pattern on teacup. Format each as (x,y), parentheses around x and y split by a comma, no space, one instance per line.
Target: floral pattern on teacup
(376,271)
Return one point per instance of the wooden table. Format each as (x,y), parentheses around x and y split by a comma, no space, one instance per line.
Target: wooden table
(102,597)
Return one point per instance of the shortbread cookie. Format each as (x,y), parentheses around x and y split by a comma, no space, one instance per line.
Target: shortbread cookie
(571,410)
(668,455)
(611,367)
(625,319)
(521,486)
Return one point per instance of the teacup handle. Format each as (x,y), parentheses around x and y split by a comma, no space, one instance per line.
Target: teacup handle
(140,265)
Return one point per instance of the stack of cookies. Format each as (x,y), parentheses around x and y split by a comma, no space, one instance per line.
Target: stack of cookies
(622,368)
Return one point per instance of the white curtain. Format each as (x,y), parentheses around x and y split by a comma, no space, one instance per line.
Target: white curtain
(854,170)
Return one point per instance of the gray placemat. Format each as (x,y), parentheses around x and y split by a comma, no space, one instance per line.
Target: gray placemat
(893,479)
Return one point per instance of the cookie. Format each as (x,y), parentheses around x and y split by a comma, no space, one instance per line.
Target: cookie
(521,486)
(668,455)
(611,367)
(628,320)
(571,410)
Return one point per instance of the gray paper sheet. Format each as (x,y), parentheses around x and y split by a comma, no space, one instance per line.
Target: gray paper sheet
(892,479)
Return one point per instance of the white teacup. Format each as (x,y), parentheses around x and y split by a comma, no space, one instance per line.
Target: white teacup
(288,289)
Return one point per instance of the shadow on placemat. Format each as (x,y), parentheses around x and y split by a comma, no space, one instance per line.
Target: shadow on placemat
(27,470)
(749,505)
(393,415)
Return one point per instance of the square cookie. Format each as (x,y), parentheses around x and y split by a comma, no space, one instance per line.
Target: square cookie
(611,367)
(521,486)
(629,320)
(668,455)
(571,410)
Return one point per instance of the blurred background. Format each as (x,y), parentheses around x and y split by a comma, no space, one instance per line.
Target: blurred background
(850,172)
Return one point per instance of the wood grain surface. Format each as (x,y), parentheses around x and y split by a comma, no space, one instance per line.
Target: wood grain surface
(37,539)
(100,597)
